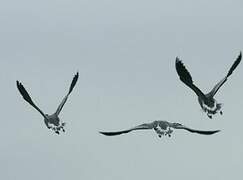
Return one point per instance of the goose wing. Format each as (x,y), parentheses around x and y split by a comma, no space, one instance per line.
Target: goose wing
(186,78)
(139,127)
(220,83)
(74,81)
(196,131)
(27,97)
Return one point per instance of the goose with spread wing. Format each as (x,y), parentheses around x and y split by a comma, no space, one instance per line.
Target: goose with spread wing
(206,101)
(51,121)
(162,128)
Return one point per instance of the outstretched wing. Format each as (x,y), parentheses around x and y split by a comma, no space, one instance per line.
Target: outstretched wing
(74,81)
(140,127)
(27,97)
(186,78)
(196,131)
(115,132)
(220,83)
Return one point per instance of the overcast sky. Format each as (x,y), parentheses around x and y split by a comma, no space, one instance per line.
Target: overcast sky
(125,53)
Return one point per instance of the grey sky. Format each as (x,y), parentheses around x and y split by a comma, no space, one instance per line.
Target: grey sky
(125,53)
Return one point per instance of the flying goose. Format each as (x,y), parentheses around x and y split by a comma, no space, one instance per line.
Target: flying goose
(206,101)
(161,128)
(52,121)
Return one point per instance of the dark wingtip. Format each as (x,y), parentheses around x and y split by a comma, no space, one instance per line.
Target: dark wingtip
(19,86)
(183,72)
(179,64)
(18,83)
(236,63)
(77,74)
(177,59)
(209,132)
(74,81)
(106,133)
(216,131)
(200,131)
(240,55)
(114,133)
(24,93)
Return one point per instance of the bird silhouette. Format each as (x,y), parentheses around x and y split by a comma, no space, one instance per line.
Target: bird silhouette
(162,128)
(51,121)
(207,101)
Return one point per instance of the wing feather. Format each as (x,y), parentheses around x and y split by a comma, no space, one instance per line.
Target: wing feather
(74,81)
(27,97)
(197,131)
(140,127)
(236,63)
(186,78)
(220,83)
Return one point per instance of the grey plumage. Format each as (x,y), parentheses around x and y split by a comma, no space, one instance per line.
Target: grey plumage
(52,121)
(206,101)
(161,128)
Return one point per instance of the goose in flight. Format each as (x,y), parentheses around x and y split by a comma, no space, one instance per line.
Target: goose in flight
(161,128)
(207,102)
(52,121)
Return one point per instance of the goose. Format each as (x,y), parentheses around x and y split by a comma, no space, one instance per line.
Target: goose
(162,128)
(207,101)
(51,121)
